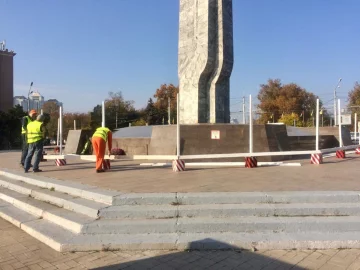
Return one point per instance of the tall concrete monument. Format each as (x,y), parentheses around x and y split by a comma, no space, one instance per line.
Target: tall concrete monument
(205,60)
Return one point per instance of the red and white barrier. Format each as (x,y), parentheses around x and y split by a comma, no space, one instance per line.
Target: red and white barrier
(60,162)
(106,164)
(357,151)
(250,162)
(178,165)
(340,154)
(316,159)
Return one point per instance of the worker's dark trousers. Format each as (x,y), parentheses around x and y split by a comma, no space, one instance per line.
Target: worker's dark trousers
(25,148)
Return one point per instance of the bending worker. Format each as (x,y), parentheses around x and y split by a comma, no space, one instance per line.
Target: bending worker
(24,123)
(35,139)
(99,139)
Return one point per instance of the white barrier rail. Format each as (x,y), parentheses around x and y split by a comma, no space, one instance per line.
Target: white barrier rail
(254,154)
(331,150)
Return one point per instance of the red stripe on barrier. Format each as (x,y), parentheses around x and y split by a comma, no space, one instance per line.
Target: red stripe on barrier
(250,162)
(178,165)
(340,154)
(60,162)
(316,159)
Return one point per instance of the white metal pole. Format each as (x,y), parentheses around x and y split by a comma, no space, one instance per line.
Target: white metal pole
(103,114)
(250,126)
(58,133)
(317,125)
(335,116)
(339,123)
(61,128)
(355,127)
(169,116)
(178,127)
(74,124)
(41,112)
(243,111)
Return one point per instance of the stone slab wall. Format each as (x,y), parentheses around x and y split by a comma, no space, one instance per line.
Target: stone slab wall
(196,140)
(133,146)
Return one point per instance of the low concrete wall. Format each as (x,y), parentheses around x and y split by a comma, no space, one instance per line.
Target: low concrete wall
(133,146)
(196,140)
(332,131)
(303,143)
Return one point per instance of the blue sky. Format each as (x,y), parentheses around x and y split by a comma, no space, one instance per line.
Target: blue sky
(78,51)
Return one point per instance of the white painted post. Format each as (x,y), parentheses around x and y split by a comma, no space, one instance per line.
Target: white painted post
(250,126)
(58,133)
(178,128)
(355,128)
(41,111)
(169,108)
(74,124)
(103,114)
(243,111)
(317,125)
(61,128)
(339,123)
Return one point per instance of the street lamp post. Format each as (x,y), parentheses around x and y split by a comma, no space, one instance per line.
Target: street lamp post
(28,108)
(337,86)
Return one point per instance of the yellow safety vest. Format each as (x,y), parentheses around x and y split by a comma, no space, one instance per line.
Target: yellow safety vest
(34,132)
(102,133)
(29,120)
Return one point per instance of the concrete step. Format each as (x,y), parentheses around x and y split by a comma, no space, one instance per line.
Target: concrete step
(74,203)
(116,198)
(211,225)
(74,189)
(230,210)
(237,198)
(65,241)
(15,215)
(23,203)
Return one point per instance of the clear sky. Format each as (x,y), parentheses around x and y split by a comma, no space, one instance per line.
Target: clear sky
(78,51)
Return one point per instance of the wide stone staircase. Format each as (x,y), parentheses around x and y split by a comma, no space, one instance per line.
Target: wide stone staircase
(69,216)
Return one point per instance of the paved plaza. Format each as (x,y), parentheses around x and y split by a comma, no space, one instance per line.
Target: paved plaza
(128,176)
(18,250)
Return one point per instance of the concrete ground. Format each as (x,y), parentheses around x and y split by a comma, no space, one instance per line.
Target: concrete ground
(18,250)
(127,176)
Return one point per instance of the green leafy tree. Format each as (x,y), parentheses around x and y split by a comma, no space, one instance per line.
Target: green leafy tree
(118,112)
(291,118)
(10,127)
(52,110)
(277,99)
(354,99)
(152,113)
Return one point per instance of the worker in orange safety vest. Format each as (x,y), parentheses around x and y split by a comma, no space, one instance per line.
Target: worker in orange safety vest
(99,139)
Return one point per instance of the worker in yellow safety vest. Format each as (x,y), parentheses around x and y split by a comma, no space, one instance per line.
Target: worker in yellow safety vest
(35,139)
(24,123)
(99,139)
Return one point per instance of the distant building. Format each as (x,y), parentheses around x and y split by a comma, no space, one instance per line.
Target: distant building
(55,101)
(6,77)
(35,102)
(22,101)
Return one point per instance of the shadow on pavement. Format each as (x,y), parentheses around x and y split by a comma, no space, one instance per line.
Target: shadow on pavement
(228,258)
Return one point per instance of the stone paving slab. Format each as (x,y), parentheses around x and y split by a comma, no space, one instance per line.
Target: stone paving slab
(126,176)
